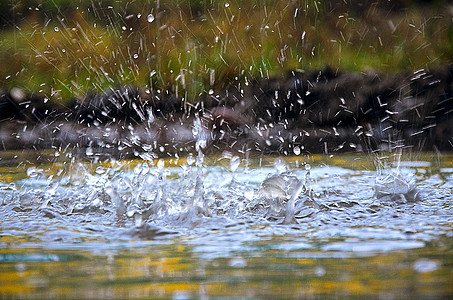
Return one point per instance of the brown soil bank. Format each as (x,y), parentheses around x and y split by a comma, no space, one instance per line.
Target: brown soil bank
(320,111)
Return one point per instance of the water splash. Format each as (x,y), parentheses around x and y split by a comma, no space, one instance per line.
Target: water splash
(143,199)
(395,185)
(284,188)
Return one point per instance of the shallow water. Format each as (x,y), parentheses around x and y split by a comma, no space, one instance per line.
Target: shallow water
(186,228)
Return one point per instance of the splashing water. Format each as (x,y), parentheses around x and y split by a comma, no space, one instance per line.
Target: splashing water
(395,185)
(144,199)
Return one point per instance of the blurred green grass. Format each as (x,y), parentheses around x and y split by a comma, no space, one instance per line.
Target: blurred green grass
(65,48)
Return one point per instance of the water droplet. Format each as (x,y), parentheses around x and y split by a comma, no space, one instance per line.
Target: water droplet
(307,167)
(150,18)
(280,165)
(160,164)
(100,170)
(135,56)
(89,151)
(227,4)
(190,160)
(296,150)
(195,131)
(145,168)
(33,172)
(139,16)
(211,91)
(234,163)
(56,29)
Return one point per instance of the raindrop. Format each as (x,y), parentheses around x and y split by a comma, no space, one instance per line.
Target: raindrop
(296,150)
(135,56)
(56,29)
(150,18)
(211,91)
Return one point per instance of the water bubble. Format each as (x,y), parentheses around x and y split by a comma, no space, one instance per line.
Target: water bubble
(238,262)
(320,271)
(426,266)
(296,150)
(150,18)
(234,163)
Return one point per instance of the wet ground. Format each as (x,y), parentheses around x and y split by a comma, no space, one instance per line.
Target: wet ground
(223,227)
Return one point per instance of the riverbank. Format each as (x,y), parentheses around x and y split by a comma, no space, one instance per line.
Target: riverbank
(322,111)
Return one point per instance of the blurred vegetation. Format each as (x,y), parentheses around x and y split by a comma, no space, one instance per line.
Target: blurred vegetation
(63,48)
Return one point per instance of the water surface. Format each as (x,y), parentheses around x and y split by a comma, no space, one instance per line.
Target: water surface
(187,229)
